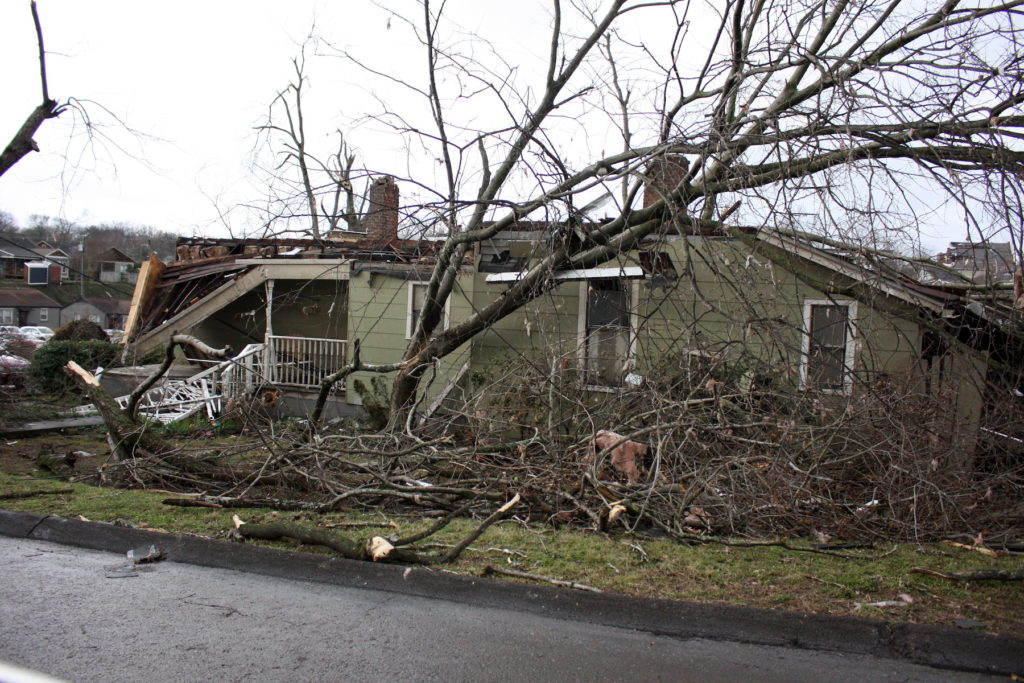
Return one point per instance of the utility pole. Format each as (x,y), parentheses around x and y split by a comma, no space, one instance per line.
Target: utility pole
(81,269)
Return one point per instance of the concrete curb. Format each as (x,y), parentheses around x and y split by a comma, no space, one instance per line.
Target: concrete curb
(928,645)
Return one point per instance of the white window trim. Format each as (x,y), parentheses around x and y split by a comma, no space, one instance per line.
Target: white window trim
(851,344)
(584,274)
(410,324)
(7,316)
(44,315)
(633,292)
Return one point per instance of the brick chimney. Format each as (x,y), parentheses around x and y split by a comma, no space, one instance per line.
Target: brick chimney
(663,175)
(382,211)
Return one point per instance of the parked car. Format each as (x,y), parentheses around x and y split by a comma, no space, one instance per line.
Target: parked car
(12,370)
(40,332)
(11,332)
(115,335)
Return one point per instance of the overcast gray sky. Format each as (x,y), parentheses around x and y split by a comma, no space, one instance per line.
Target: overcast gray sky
(189,79)
(175,90)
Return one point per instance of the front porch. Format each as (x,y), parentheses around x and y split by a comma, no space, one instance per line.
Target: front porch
(296,364)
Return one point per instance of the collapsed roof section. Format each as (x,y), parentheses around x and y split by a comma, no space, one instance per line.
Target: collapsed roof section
(206,265)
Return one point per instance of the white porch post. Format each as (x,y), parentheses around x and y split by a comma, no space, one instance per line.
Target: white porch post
(269,357)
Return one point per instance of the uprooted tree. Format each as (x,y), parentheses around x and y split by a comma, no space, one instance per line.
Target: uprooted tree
(780,113)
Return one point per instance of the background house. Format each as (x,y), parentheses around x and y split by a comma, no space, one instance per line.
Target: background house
(22,306)
(106,312)
(113,265)
(39,264)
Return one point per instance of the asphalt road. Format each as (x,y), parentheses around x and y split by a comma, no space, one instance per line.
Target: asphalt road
(78,614)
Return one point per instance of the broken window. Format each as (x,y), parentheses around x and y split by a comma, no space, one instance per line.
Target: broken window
(828,347)
(606,341)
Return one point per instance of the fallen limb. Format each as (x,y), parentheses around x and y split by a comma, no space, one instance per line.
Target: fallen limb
(225,502)
(974,575)
(489,569)
(454,553)
(33,494)
(199,349)
(330,380)
(343,546)
(191,503)
(973,548)
(375,548)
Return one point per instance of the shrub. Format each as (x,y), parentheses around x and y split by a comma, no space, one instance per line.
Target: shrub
(47,369)
(80,330)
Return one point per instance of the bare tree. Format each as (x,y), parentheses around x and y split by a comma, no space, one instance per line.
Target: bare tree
(23,141)
(331,201)
(791,106)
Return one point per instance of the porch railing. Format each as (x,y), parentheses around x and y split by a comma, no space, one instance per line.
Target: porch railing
(302,361)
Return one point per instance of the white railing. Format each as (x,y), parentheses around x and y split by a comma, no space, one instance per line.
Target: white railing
(175,399)
(283,361)
(302,361)
(243,373)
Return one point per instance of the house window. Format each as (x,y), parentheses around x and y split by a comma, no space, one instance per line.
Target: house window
(417,296)
(107,267)
(6,316)
(44,315)
(606,331)
(828,345)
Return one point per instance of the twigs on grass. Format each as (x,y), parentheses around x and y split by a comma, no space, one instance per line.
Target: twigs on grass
(974,575)
(17,495)
(490,569)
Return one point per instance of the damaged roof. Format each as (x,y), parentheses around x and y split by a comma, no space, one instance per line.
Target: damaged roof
(204,265)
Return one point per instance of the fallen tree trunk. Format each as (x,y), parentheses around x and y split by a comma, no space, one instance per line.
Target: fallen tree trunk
(124,434)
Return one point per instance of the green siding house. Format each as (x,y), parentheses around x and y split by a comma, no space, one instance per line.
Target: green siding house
(771,307)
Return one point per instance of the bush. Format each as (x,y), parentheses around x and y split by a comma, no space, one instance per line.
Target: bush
(47,369)
(80,330)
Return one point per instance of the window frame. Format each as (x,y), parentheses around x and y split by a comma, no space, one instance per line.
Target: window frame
(410,322)
(850,351)
(44,315)
(633,301)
